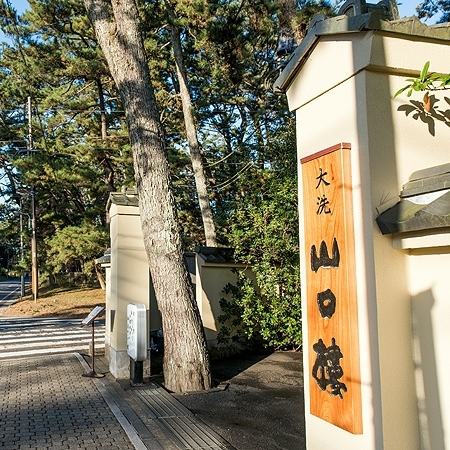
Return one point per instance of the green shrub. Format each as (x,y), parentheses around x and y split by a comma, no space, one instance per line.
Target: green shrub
(264,234)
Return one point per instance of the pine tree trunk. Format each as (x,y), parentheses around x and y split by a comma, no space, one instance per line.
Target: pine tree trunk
(100,277)
(186,360)
(191,133)
(104,160)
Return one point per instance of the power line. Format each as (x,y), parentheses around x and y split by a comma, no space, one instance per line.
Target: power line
(234,177)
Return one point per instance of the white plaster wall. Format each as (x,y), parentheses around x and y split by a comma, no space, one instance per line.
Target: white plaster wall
(329,120)
(211,279)
(130,281)
(107,315)
(338,99)
(412,147)
(332,62)
(399,410)
(407,54)
(430,297)
(339,57)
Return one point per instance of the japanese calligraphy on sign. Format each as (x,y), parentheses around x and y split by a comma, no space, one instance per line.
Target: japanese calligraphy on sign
(334,362)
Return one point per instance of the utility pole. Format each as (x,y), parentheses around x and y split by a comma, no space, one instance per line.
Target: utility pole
(34,263)
(22,276)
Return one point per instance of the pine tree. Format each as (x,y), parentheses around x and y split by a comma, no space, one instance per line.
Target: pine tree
(191,132)
(429,8)
(186,360)
(80,152)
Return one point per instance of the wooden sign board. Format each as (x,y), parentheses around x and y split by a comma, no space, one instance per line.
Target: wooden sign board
(92,315)
(333,354)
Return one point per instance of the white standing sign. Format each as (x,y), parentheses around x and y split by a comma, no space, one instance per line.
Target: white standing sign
(137,332)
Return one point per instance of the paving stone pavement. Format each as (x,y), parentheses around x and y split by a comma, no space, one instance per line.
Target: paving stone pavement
(46,403)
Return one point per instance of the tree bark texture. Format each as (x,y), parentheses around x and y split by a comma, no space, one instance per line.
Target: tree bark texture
(191,133)
(186,360)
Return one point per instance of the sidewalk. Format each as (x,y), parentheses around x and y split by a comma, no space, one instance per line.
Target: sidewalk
(47,403)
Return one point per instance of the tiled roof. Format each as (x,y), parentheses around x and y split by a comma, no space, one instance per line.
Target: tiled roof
(127,197)
(215,254)
(424,203)
(105,259)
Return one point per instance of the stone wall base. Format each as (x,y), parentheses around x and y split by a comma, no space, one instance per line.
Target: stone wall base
(119,364)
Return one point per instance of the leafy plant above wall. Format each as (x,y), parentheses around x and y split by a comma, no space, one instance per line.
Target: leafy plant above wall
(426,82)
(428,109)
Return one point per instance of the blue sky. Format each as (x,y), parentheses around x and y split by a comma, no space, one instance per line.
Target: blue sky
(407,8)
(20,5)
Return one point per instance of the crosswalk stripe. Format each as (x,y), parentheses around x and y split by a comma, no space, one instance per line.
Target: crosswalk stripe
(47,343)
(48,337)
(10,355)
(27,337)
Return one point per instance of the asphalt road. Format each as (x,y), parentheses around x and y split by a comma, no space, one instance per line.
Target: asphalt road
(9,292)
(24,337)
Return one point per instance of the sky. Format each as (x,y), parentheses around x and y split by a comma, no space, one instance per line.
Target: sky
(406,8)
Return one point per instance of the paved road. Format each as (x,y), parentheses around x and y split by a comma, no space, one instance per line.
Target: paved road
(9,291)
(25,337)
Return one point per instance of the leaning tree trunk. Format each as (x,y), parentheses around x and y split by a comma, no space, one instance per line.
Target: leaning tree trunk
(186,360)
(191,133)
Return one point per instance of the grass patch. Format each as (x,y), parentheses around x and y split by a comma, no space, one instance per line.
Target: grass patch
(62,302)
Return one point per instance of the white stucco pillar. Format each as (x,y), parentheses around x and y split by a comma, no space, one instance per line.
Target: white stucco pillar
(129,279)
(341,83)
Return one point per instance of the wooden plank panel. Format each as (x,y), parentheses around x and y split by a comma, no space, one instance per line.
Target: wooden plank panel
(333,354)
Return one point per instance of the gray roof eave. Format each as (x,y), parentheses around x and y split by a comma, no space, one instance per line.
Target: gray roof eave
(424,203)
(127,197)
(406,216)
(105,259)
(215,254)
(343,24)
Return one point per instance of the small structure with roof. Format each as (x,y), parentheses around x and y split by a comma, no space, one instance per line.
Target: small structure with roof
(128,281)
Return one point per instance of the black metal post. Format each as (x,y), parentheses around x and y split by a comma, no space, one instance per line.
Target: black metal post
(93,373)
(136,372)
